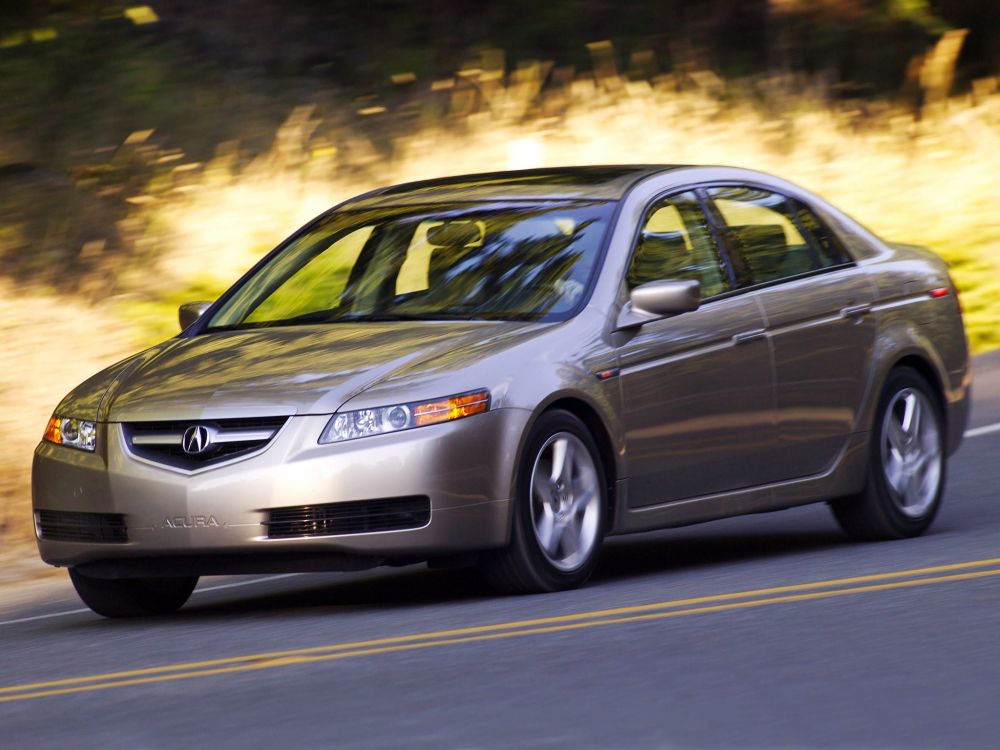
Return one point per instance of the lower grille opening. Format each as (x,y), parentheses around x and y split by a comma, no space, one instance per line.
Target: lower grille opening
(73,526)
(356,517)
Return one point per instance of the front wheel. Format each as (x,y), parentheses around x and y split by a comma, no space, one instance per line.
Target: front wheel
(133,597)
(558,511)
(906,464)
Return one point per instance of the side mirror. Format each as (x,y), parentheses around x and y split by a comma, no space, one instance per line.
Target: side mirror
(189,312)
(658,299)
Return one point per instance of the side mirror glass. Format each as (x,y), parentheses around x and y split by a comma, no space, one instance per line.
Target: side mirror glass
(658,299)
(189,312)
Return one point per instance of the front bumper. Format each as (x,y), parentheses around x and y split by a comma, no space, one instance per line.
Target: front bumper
(212,521)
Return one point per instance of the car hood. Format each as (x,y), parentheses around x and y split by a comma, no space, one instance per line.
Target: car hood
(294,370)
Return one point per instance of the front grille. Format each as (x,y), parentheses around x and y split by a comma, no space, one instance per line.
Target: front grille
(163,442)
(72,526)
(356,517)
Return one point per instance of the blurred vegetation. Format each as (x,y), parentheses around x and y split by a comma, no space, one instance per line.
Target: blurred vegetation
(149,153)
(111,105)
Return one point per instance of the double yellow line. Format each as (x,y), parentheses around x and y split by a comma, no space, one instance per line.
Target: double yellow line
(577,621)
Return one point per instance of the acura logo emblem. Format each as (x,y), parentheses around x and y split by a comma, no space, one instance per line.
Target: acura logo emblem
(196,439)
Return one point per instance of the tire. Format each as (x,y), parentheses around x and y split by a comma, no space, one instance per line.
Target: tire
(558,516)
(906,464)
(133,597)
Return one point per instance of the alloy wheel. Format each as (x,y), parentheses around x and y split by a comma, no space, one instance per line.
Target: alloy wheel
(565,501)
(911,452)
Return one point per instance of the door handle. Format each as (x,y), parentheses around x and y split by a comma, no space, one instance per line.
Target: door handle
(745,337)
(856,311)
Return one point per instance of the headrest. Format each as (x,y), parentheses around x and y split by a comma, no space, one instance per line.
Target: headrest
(455,234)
(660,255)
(753,236)
(663,244)
(765,249)
(443,260)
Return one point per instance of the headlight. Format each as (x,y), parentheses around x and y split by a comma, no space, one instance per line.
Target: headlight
(348,425)
(76,433)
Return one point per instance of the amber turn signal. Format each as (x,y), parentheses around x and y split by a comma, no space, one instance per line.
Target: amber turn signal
(455,407)
(52,432)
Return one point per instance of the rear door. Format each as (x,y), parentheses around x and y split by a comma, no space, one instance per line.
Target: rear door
(697,387)
(817,306)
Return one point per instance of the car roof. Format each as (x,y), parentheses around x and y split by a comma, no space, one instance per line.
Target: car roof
(603,182)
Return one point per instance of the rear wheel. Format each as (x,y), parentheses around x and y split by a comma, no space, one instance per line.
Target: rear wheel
(906,464)
(132,597)
(559,505)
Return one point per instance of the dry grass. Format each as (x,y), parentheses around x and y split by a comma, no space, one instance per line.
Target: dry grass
(931,182)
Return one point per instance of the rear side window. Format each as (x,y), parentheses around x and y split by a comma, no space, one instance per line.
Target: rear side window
(676,243)
(775,237)
(831,251)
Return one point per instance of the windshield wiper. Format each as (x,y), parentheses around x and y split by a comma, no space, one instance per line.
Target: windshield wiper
(330,316)
(379,317)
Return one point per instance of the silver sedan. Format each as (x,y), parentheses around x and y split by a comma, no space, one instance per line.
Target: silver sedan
(504,369)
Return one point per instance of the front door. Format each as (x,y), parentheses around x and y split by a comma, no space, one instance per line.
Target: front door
(697,387)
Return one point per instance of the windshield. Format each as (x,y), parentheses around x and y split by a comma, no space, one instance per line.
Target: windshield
(464,261)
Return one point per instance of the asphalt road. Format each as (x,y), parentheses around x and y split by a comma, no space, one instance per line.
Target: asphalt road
(794,638)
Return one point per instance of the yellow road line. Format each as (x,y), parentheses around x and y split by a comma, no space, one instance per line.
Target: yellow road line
(347,650)
(632,609)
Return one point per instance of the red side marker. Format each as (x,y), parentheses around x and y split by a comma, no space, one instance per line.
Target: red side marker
(939,292)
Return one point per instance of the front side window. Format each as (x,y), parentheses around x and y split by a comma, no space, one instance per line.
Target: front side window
(462,261)
(775,237)
(676,243)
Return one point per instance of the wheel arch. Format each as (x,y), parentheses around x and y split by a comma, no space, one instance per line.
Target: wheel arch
(590,415)
(904,346)
(922,365)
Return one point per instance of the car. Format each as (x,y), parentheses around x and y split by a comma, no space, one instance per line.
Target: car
(504,369)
